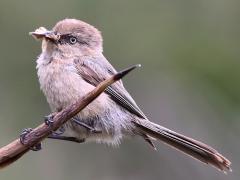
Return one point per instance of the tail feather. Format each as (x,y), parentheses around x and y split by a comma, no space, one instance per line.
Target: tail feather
(189,146)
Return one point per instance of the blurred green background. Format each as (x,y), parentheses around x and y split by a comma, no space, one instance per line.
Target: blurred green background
(189,82)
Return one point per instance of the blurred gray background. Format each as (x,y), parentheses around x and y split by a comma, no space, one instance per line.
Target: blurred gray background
(189,82)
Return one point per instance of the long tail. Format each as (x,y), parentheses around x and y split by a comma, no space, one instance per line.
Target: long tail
(195,149)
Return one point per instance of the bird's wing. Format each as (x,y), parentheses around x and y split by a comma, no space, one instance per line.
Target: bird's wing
(98,69)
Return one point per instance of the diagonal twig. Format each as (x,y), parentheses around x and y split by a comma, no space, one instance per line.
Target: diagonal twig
(15,149)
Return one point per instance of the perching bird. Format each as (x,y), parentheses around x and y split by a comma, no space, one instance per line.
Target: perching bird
(70,65)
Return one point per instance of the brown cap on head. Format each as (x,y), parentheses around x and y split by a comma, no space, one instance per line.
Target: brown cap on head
(87,33)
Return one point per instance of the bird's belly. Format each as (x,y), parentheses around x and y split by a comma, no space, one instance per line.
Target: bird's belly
(63,87)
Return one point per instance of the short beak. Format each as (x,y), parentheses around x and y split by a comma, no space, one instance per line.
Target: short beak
(42,32)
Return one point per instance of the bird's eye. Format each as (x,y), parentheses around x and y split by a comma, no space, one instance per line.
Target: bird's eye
(72,40)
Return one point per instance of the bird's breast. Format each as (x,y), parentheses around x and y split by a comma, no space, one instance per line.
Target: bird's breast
(62,86)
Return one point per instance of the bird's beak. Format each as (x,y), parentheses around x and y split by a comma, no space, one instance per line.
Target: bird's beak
(42,33)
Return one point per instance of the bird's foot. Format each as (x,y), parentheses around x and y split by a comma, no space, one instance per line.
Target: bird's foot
(36,147)
(49,119)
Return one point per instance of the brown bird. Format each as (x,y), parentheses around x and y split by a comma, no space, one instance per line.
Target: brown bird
(72,64)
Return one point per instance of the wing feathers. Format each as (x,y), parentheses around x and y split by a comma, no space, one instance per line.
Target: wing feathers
(97,70)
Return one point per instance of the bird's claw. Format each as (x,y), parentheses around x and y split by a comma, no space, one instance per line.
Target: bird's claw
(36,147)
(49,119)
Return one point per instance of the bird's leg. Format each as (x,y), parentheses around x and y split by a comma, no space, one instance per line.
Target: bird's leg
(65,138)
(80,123)
(36,147)
(59,131)
(58,135)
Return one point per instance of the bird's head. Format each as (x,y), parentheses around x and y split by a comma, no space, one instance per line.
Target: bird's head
(70,36)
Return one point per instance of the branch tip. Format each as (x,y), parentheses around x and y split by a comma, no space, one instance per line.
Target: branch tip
(124,72)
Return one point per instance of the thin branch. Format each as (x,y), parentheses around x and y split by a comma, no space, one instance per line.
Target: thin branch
(15,149)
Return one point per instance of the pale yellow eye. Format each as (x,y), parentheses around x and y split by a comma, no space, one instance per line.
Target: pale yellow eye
(72,40)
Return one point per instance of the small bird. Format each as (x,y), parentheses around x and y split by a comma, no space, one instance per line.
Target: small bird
(71,65)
